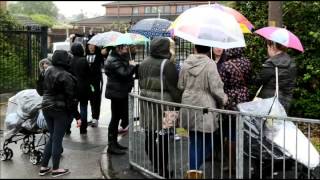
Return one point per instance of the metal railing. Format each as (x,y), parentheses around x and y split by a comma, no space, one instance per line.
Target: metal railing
(167,153)
(21,49)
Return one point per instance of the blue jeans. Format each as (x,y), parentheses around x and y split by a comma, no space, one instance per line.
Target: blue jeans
(196,155)
(57,122)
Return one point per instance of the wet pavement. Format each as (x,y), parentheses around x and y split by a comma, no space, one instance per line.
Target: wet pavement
(81,154)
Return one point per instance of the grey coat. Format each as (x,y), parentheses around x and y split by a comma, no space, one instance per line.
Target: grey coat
(149,82)
(202,86)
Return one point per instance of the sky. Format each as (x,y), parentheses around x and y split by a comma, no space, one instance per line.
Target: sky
(90,8)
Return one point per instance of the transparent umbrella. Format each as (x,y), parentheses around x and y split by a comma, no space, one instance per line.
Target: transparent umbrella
(208,25)
(102,39)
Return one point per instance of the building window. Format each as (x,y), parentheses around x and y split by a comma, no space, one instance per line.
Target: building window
(135,10)
(154,9)
(167,9)
(185,7)
(161,9)
(147,10)
(179,9)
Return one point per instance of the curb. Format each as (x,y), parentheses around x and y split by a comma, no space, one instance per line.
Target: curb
(108,171)
(105,168)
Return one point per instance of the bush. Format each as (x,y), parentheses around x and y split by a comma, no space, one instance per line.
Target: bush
(300,18)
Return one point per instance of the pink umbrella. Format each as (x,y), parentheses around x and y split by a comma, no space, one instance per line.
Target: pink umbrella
(281,36)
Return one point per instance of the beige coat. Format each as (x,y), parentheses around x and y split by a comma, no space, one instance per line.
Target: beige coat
(202,86)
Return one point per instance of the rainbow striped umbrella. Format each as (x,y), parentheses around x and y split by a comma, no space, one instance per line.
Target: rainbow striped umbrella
(245,25)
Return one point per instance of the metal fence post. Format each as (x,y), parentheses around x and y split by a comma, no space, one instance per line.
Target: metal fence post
(29,51)
(131,125)
(44,42)
(239,152)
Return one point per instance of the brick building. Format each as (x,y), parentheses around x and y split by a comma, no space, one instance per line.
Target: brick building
(120,15)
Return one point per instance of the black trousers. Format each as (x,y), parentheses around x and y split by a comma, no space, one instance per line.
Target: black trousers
(157,150)
(119,110)
(95,99)
(57,122)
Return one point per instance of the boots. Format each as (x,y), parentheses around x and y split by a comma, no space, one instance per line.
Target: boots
(121,147)
(194,174)
(113,149)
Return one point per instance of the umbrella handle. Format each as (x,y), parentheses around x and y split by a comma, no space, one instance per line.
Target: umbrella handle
(130,54)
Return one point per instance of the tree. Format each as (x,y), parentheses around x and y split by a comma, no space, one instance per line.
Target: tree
(79,16)
(43,20)
(34,7)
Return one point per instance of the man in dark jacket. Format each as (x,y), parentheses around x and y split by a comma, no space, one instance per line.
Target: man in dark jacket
(96,61)
(120,81)
(80,69)
(59,103)
(149,82)
(286,74)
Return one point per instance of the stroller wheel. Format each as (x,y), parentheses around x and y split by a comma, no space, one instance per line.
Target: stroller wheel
(25,148)
(3,155)
(9,153)
(36,157)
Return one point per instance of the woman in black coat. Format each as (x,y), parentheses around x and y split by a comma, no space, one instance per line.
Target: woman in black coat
(80,69)
(59,103)
(120,81)
(96,62)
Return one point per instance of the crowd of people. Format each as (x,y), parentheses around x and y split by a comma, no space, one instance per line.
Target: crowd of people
(211,77)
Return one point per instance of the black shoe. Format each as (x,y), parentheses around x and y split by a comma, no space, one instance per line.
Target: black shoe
(112,149)
(44,172)
(83,131)
(121,147)
(57,174)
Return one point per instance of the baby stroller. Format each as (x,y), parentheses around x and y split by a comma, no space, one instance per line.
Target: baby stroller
(275,142)
(24,120)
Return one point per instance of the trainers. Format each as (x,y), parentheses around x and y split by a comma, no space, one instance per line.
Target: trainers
(94,123)
(44,171)
(57,174)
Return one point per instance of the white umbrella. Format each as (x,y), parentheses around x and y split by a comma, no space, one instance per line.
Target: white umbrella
(102,39)
(208,25)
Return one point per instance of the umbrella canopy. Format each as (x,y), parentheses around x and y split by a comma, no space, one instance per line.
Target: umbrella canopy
(281,36)
(208,25)
(152,27)
(128,39)
(102,39)
(245,25)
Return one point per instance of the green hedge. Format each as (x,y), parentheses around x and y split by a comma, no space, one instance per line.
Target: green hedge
(13,73)
(302,19)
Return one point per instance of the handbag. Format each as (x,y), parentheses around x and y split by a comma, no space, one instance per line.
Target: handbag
(170,118)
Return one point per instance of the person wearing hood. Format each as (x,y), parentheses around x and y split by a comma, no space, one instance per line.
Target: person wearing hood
(80,69)
(149,82)
(119,71)
(278,57)
(96,62)
(235,73)
(44,64)
(202,86)
(59,103)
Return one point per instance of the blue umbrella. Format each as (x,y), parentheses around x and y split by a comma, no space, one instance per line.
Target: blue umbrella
(152,27)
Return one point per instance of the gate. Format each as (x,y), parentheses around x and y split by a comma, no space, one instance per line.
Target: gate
(21,49)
